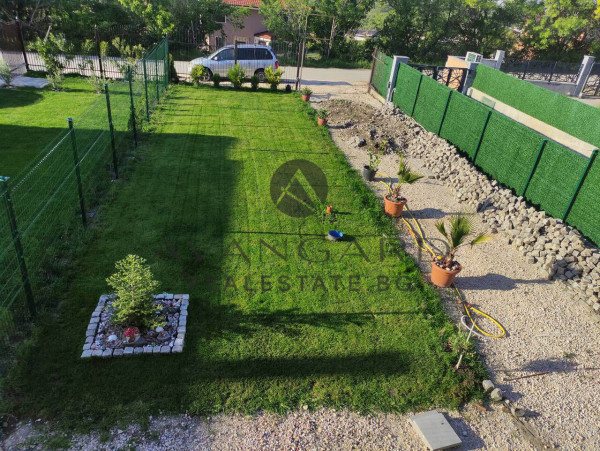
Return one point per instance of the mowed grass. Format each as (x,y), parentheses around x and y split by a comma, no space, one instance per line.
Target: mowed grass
(31,119)
(279,317)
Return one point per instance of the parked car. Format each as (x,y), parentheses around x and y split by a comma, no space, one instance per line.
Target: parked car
(253,58)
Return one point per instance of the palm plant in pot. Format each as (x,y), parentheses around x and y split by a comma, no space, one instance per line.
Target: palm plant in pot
(393,200)
(322,116)
(456,232)
(306,92)
(370,170)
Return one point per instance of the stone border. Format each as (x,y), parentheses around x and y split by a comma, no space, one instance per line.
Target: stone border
(176,347)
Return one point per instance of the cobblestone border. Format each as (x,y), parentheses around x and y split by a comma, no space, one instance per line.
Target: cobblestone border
(176,347)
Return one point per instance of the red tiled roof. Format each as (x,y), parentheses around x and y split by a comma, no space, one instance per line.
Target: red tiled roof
(246,3)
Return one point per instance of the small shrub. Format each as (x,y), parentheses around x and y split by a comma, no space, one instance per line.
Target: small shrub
(306,91)
(216,80)
(5,73)
(134,284)
(198,73)
(236,75)
(273,77)
(322,114)
(172,71)
(50,50)
(254,81)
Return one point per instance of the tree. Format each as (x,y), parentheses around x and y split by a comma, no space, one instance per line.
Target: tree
(286,23)
(561,30)
(207,15)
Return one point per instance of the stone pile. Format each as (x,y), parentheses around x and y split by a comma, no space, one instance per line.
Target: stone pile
(560,251)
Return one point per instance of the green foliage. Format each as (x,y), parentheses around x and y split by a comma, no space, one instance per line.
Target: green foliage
(273,77)
(322,113)
(216,79)
(236,75)
(89,48)
(374,158)
(306,91)
(173,77)
(405,175)
(254,82)
(51,49)
(129,55)
(134,285)
(5,73)
(459,227)
(154,14)
(198,74)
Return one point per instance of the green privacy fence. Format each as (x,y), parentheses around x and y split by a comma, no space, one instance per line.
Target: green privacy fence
(562,182)
(382,69)
(51,200)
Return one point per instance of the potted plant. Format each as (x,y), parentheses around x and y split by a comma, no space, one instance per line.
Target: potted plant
(306,92)
(393,200)
(445,268)
(369,170)
(322,116)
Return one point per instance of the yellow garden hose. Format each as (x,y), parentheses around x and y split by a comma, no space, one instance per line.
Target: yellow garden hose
(422,244)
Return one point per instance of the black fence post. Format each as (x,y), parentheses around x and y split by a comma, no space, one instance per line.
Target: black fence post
(167,63)
(112,132)
(526,69)
(157,83)
(146,90)
(299,62)
(77,171)
(22,42)
(552,71)
(132,107)
(535,165)
(581,180)
(98,51)
(16,237)
(487,119)
(416,95)
(445,111)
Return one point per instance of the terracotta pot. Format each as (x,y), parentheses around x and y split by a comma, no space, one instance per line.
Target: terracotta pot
(392,208)
(369,173)
(322,121)
(443,277)
(305,97)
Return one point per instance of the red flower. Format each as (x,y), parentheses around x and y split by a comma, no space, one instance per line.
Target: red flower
(131,332)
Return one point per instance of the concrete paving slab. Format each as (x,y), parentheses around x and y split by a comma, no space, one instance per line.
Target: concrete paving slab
(435,430)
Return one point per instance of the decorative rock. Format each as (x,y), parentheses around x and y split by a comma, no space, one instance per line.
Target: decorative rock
(156,350)
(86,354)
(97,353)
(128,351)
(496,395)
(118,352)
(165,349)
(177,348)
(148,349)
(488,385)
(107,353)
(179,342)
(112,338)
(137,351)
(159,329)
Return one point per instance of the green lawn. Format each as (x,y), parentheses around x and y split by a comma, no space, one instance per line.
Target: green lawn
(31,119)
(309,324)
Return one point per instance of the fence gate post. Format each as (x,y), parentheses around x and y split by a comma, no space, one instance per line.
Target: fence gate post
(5,192)
(132,107)
(416,95)
(22,42)
(112,132)
(535,165)
(146,90)
(99,51)
(581,180)
(77,171)
(487,119)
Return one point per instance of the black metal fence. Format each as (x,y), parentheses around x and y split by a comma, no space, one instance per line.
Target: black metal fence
(453,77)
(557,71)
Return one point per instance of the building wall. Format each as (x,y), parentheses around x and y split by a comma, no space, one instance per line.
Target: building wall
(253,23)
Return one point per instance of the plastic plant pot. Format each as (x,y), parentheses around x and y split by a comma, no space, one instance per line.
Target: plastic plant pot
(368,173)
(392,208)
(322,122)
(441,277)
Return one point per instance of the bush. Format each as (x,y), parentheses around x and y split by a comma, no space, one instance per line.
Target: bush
(273,77)
(236,75)
(254,81)
(5,73)
(172,71)
(50,50)
(198,73)
(96,82)
(216,80)
(133,284)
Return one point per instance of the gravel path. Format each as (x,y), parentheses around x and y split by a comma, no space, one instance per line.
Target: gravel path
(546,332)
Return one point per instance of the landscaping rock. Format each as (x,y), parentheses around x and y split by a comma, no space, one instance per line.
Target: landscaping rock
(496,395)
(488,385)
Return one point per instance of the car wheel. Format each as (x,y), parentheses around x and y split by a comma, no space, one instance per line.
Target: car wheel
(208,76)
(260,73)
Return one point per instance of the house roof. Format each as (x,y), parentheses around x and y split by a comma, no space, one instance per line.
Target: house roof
(246,3)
